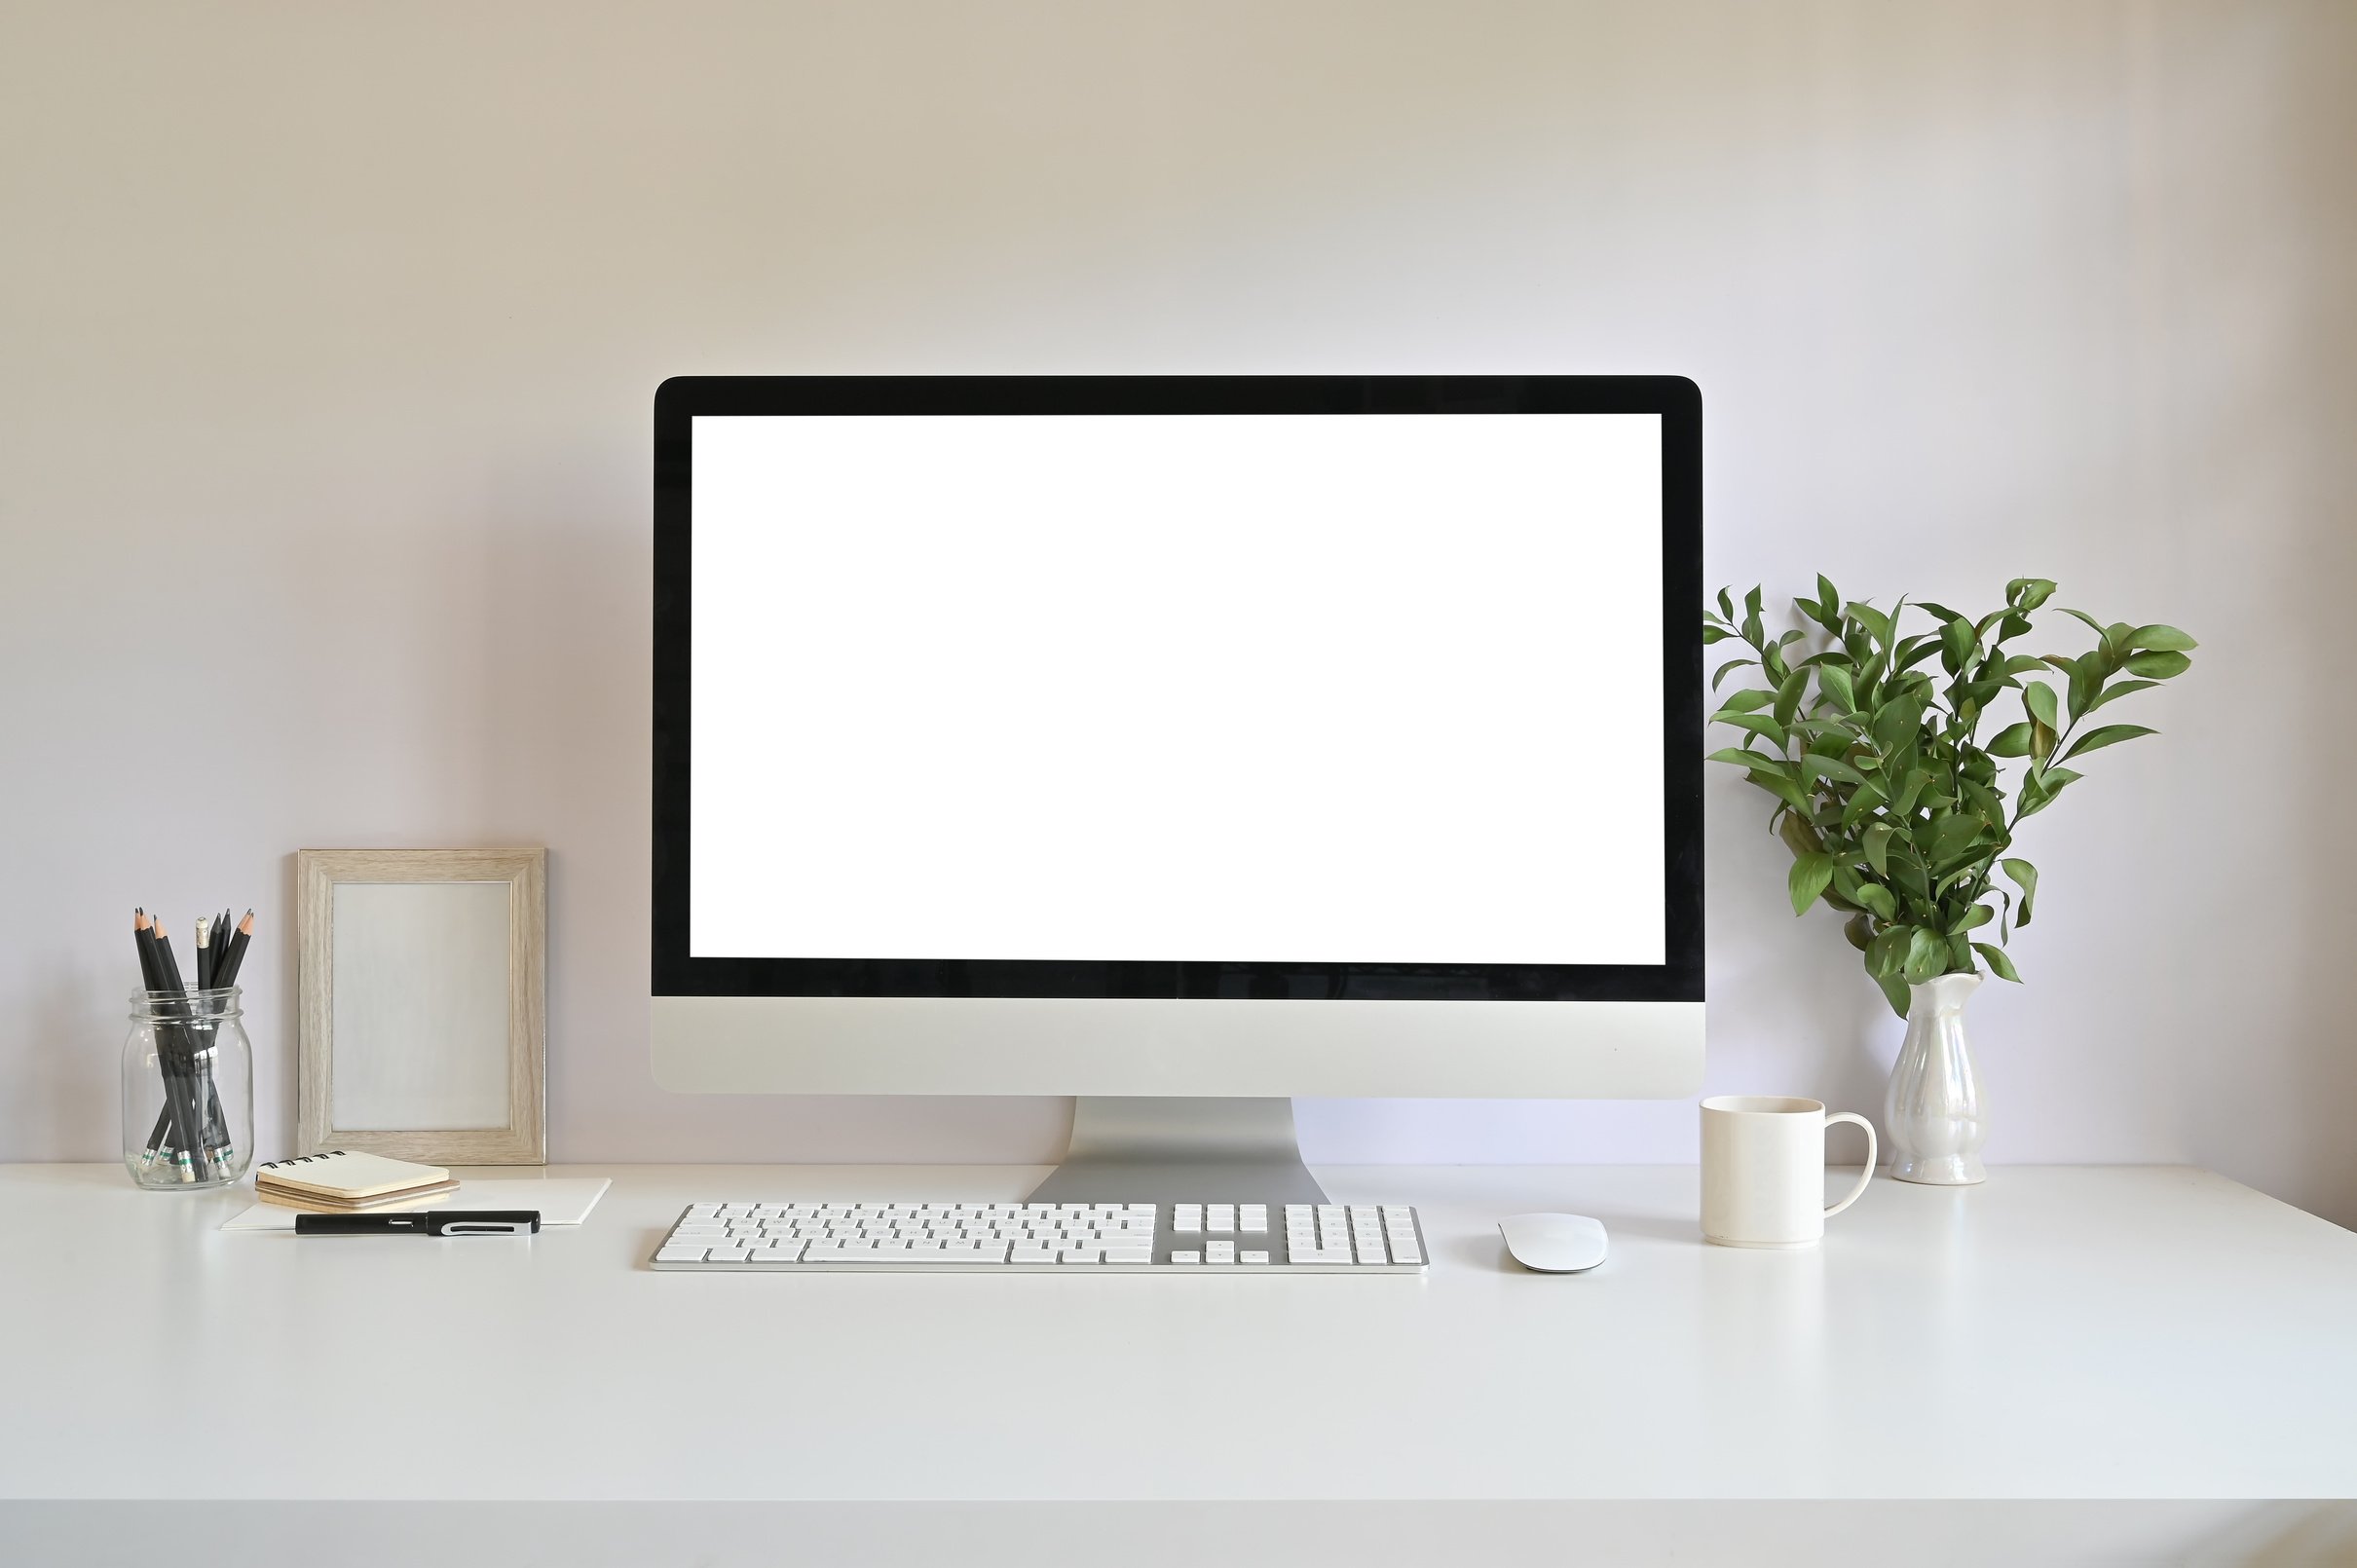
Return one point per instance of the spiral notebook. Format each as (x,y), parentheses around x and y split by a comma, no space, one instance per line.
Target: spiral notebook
(340,1175)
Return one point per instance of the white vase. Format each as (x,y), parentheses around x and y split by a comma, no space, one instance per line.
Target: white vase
(1936,1117)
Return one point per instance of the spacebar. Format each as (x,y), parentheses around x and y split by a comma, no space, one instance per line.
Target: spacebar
(854,1254)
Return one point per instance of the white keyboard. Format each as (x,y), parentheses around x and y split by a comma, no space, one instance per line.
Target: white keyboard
(1109,1238)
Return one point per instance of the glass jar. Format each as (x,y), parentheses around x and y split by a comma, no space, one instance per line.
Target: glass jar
(187,1089)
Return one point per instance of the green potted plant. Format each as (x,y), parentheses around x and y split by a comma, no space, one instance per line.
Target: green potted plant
(1902,818)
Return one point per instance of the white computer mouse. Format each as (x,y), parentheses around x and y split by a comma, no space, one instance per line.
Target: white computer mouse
(1555,1244)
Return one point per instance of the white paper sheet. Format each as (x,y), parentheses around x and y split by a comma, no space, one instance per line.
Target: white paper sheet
(560,1200)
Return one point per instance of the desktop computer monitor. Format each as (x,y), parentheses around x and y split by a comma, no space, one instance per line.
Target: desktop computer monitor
(1180,743)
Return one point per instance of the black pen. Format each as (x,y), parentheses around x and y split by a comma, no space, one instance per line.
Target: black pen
(423,1222)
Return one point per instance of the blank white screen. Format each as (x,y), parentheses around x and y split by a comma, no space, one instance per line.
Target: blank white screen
(1376,688)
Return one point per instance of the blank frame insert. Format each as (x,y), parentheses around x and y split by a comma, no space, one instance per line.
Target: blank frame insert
(421,1006)
(422,979)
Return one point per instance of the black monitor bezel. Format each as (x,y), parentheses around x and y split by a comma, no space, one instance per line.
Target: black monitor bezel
(1677,400)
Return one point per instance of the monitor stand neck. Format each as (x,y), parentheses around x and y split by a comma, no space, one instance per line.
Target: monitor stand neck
(1143,1149)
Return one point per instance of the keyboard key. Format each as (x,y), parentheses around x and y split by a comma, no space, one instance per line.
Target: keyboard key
(679,1255)
(1187,1257)
(1252,1257)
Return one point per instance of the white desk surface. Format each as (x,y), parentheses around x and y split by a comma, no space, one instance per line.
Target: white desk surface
(2061,1332)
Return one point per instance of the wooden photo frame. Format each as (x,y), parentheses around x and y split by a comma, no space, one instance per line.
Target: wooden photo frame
(422,1003)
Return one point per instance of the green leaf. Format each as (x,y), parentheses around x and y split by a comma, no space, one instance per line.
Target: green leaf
(2093,624)
(1788,696)
(2157,666)
(2025,878)
(2154,638)
(2028,593)
(1744,702)
(2020,664)
(1952,836)
(1860,930)
(2048,784)
(1877,844)
(1782,788)
(1927,955)
(1907,875)
(1724,669)
(1726,606)
(2038,697)
(1831,767)
(2087,681)
(1760,723)
(1999,963)
(1895,723)
(1835,682)
(2119,689)
(1989,803)
(1942,610)
(1894,992)
(1739,756)
(1914,651)
(1877,624)
(1877,899)
(1808,876)
(1800,836)
(1714,634)
(1886,952)
(2107,736)
(1974,918)
(1832,601)
(1956,645)
(1864,802)
(2011,741)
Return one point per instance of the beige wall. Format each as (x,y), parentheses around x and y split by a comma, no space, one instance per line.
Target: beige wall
(327,334)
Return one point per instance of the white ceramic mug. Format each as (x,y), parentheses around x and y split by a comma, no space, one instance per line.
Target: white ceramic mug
(1764,1170)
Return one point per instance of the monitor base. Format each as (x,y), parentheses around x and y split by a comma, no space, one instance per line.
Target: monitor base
(1128,1148)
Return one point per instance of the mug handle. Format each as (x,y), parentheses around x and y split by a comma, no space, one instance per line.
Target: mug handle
(1872,1150)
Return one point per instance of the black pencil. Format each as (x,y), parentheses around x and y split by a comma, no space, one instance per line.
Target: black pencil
(171,1051)
(167,969)
(228,953)
(233,956)
(146,944)
(212,931)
